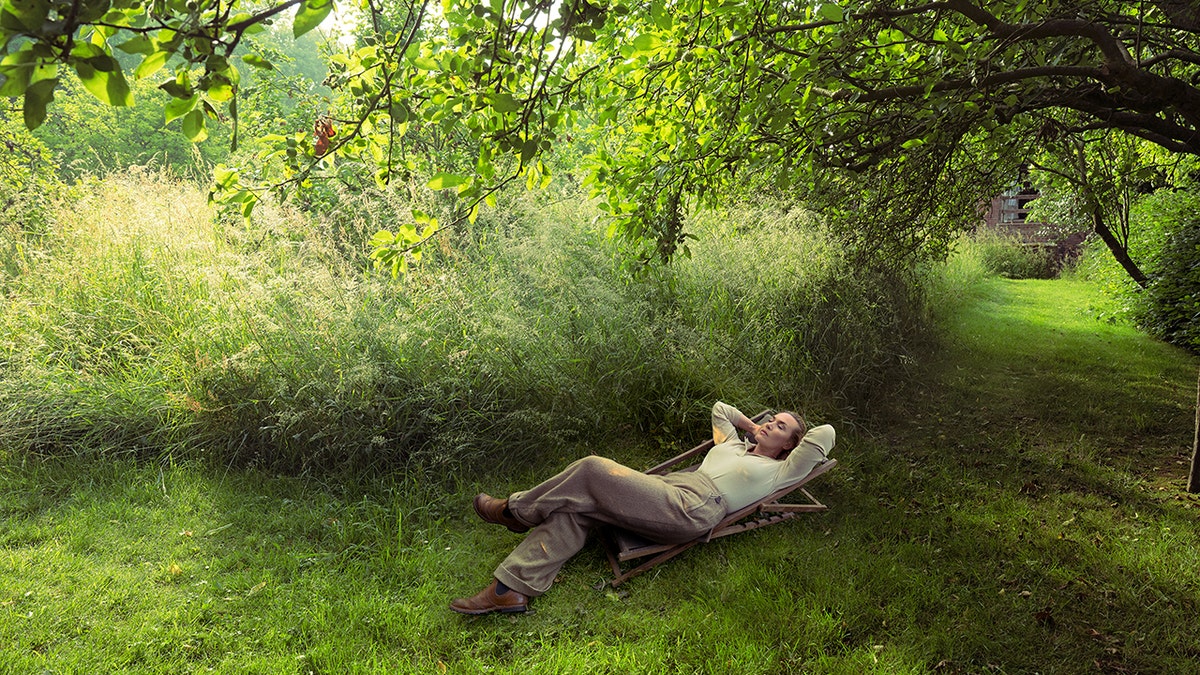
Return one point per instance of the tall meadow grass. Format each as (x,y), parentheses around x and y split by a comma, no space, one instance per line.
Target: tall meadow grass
(147,324)
(776,305)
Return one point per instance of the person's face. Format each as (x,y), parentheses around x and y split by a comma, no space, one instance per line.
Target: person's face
(777,434)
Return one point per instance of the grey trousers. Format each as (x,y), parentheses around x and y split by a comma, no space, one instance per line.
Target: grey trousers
(668,509)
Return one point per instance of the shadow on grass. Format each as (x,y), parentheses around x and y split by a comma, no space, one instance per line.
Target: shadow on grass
(1036,484)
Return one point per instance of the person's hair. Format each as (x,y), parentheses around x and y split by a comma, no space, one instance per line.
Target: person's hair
(800,431)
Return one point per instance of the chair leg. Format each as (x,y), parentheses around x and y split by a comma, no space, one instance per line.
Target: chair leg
(613,561)
(622,577)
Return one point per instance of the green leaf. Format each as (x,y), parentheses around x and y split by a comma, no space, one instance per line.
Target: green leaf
(178,107)
(382,238)
(37,97)
(220,89)
(503,103)
(107,85)
(446,180)
(248,207)
(662,18)
(233,127)
(91,10)
(151,64)
(311,14)
(400,112)
(31,13)
(258,62)
(104,62)
(220,66)
(137,45)
(180,87)
(647,42)
(11,23)
(528,150)
(225,177)
(425,63)
(830,12)
(254,28)
(17,69)
(194,127)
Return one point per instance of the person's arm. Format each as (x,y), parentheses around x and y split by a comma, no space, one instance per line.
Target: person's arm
(728,420)
(812,450)
(821,438)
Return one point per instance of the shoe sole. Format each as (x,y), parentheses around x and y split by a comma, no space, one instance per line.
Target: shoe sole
(499,610)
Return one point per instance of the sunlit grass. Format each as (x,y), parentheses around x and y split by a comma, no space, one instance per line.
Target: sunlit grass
(1064,364)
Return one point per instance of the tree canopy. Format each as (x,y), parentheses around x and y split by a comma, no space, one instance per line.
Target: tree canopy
(895,116)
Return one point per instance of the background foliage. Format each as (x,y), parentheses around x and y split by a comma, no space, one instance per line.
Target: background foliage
(150,324)
(27,179)
(1007,256)
(1160,231)
(1171,308)
(895,119)
(695,126)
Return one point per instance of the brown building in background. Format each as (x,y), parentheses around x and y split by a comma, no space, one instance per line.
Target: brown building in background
(1008,214)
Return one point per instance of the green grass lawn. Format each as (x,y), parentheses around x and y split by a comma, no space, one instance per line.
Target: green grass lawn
(1023,512)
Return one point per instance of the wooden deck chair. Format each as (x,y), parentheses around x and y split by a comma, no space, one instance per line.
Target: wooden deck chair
(623,546)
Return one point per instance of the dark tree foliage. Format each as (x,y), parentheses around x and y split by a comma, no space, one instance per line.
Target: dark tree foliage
(1173,299)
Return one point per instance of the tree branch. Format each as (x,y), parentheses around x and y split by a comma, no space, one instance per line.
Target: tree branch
(1176,54)
(242,25)
(1006,77)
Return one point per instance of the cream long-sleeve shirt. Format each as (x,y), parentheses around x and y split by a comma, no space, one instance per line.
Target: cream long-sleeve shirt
(744,478)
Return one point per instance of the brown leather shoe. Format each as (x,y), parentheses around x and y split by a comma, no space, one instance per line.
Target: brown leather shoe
(488,600)
(491,510)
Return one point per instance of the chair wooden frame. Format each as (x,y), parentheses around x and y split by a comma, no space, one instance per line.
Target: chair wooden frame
(625,546)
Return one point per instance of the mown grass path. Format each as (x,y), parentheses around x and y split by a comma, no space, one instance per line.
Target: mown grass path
(1024,513)
(1039,483)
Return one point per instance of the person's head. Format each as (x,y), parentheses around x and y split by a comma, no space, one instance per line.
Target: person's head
(782,432)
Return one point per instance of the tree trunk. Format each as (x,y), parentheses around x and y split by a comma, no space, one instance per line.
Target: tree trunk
(1120,253)
(1194,478)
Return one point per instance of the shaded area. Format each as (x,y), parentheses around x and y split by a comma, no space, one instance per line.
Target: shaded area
(1036,481)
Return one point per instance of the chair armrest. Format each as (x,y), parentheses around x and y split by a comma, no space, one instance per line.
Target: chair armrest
(665,467)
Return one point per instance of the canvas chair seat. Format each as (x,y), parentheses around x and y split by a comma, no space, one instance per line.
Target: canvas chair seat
(624,546)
